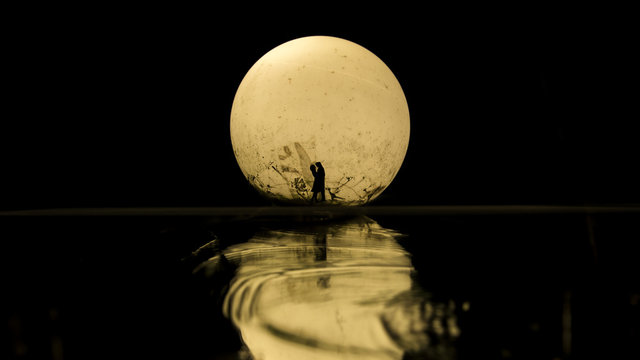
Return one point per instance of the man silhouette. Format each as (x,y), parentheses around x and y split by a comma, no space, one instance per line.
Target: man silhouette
(318,181)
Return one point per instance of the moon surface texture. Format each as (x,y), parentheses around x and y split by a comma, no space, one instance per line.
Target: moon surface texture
(320,99)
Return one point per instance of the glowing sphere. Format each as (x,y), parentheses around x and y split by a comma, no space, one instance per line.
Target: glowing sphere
(320,99)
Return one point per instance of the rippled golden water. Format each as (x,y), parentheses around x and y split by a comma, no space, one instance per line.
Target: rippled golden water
(333,291)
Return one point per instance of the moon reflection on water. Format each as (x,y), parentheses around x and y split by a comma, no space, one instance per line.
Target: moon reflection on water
(339,290)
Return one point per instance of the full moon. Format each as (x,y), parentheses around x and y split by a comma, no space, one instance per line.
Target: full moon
(326,100)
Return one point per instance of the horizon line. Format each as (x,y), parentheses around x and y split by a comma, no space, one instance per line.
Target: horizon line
(324,210)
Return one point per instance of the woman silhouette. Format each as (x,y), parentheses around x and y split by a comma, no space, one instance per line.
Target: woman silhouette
(318,181)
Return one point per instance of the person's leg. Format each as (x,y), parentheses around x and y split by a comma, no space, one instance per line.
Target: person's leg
(322,192)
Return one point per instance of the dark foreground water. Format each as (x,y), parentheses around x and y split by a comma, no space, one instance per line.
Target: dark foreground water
(323,285)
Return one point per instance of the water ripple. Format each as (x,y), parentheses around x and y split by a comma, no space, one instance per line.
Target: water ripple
(333,291)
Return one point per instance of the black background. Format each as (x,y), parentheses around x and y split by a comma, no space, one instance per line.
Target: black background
(130,106)
(119,107)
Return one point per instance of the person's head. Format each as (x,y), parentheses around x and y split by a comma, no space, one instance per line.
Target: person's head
(318,164)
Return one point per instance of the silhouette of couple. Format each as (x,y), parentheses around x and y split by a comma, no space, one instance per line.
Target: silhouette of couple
(318,181)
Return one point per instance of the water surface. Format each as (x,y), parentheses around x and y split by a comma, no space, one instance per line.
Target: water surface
(336,290)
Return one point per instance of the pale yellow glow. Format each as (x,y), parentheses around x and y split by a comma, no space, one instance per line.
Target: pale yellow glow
(318,296)
(324,99)
(332,291)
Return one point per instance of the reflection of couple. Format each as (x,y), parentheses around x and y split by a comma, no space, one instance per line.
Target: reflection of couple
(318,181)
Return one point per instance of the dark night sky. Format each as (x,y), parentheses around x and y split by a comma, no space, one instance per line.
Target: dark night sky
(131,108)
